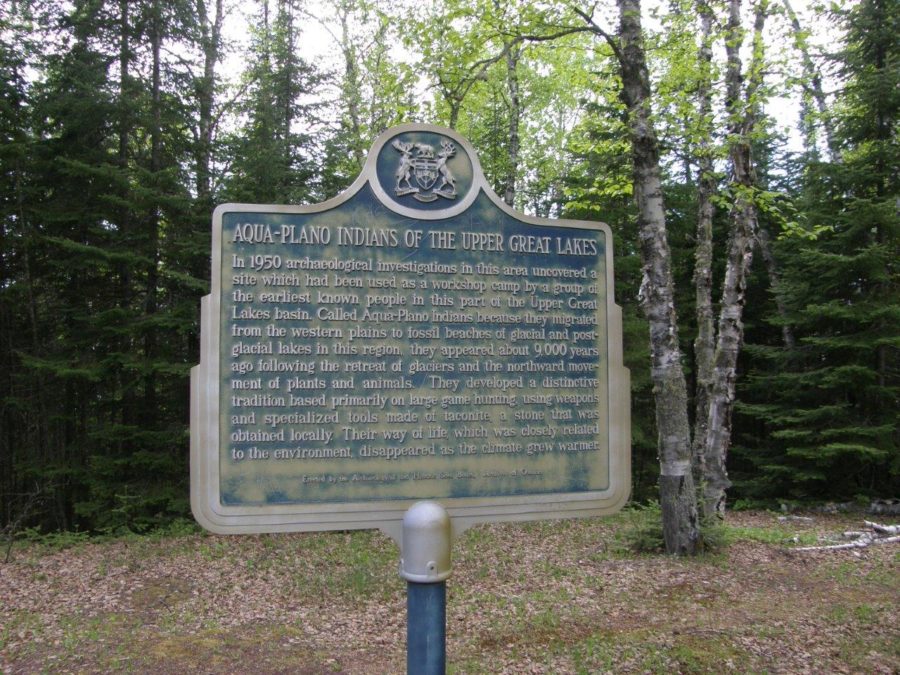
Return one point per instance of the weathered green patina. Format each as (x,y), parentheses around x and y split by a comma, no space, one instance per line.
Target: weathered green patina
(411,339)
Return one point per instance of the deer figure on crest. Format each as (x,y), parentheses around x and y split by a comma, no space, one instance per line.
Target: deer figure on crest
(447,186)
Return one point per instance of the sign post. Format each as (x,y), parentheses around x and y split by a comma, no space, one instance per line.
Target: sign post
(425,564)
(411,339)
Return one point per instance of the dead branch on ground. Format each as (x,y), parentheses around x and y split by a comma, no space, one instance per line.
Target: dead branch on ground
(875,534)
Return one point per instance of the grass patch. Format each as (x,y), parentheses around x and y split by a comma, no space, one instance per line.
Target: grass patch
(358,565)
(21,627)
(875,654)
(641,532)
(706,654)
(45,543)
(851,574)
(644,651)
(863,614)
(884,573)
(774,535)
(597,653)
(272,648)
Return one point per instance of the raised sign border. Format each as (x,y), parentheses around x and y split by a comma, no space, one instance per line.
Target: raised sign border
(388,515)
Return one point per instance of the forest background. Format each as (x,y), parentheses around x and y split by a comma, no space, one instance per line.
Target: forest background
(776,313)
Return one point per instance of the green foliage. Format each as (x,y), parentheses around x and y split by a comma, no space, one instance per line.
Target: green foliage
(55,541)
(95,395)
(377,91)
(826,409)
(271,160)
(112,160)
(643,532)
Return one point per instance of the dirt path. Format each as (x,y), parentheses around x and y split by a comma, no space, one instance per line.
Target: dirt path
(552,597)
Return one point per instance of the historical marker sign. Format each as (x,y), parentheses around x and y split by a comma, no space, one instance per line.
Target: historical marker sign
(413,338)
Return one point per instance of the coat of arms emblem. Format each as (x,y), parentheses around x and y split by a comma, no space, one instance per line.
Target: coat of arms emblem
(429,170)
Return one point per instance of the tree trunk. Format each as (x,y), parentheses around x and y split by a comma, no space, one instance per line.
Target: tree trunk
(285,88)
(124,83)
(813,82)
(743,216)
(455,104)
(352,87)
(151,302)
(127,96)
(676,485)
(515,114)
(705,343)
(763,240)
(210,43)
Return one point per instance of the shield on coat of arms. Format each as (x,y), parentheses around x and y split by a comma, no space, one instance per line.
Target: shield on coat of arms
(426,171)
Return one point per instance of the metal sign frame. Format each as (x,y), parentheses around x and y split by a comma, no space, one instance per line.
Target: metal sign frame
(207,380)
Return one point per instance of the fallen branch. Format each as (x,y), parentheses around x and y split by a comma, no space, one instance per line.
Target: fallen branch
(882,529)
(859,543)
(862,539)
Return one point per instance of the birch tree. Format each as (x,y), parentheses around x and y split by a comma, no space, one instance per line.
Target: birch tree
(707,186)
(681,527)
(374,89)
(742,110)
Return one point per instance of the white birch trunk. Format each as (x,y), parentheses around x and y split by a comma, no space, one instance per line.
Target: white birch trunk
(740,255)
(676,484)
(515,114)
(705,343)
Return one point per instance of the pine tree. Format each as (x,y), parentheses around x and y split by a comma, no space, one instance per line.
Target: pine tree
(830,406)
(273,152)
(97,378)
(69,228)
(22,431)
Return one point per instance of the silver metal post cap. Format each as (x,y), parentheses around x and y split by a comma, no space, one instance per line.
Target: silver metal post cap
(425,548)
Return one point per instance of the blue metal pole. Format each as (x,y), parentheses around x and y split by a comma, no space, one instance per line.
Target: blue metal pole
(425,564)
(426,628)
